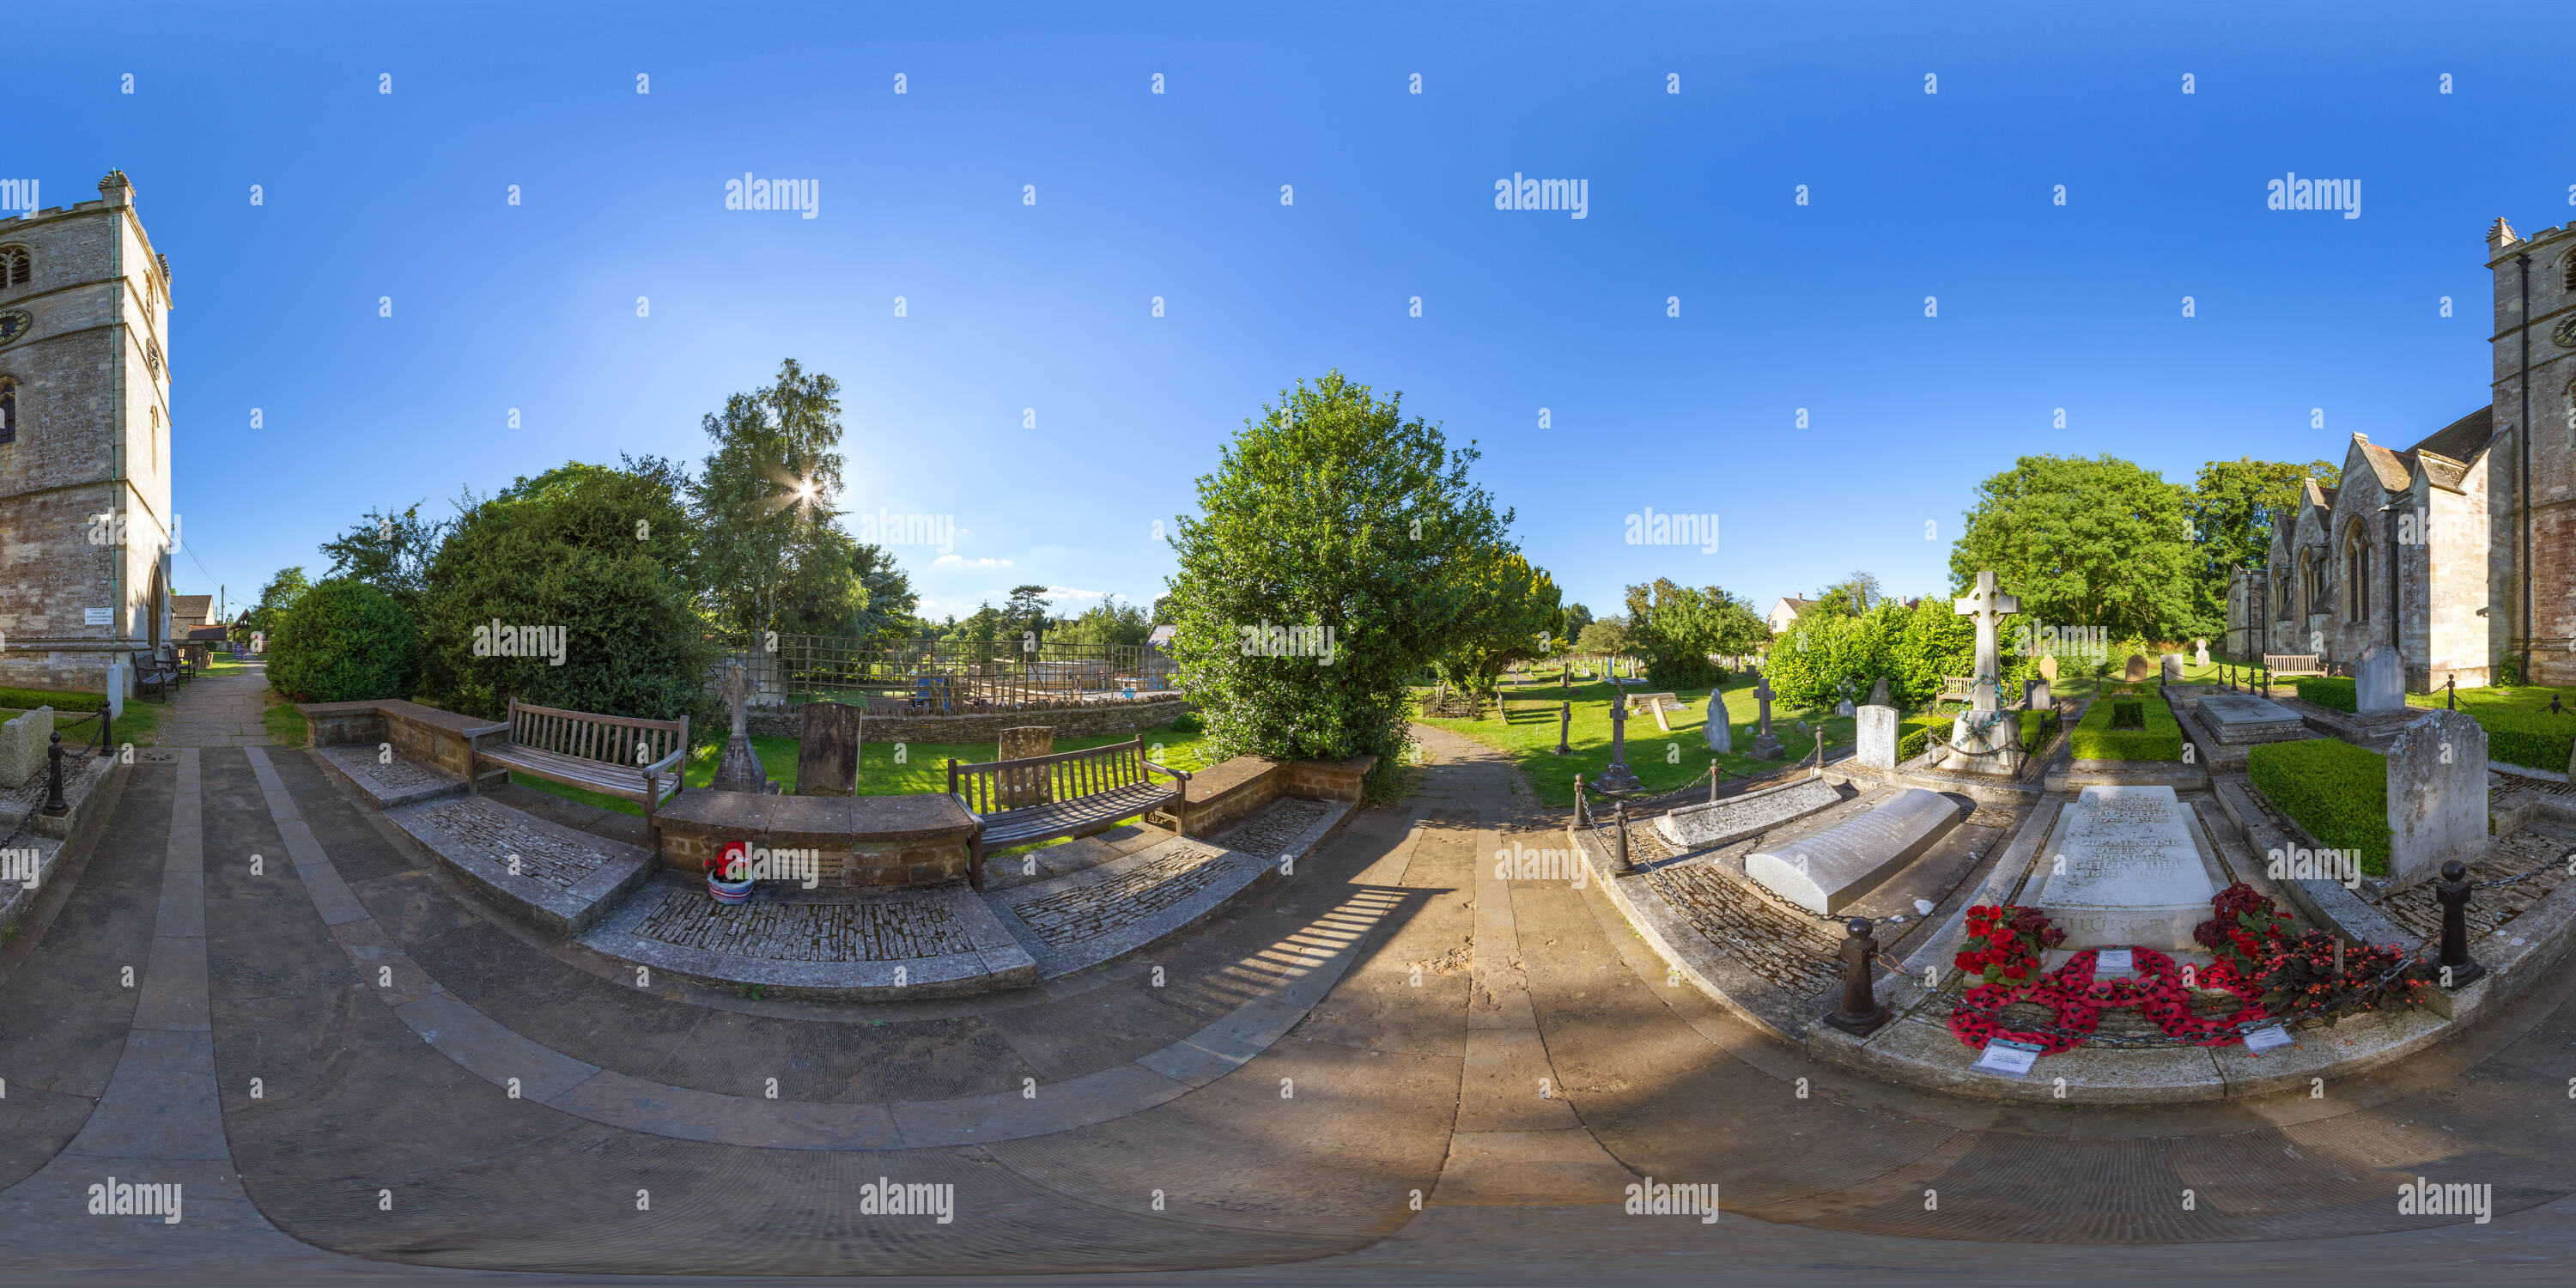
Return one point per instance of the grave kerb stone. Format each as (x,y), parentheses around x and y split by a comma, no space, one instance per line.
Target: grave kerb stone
(1836,868)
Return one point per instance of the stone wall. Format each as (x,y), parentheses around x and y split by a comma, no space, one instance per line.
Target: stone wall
(1087,721)
(2553,461)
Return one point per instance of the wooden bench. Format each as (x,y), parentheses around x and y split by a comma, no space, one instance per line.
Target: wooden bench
(1961,689)
(2284,664)
(621,756)
(1085,793)
(154,674)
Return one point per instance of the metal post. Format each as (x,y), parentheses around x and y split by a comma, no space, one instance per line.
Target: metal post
(1713,775)
(1619,841)
(2453,892)
(2451,692)
(1564,721)
(1820,753)
(1579,819)
(1860,1014)
(54,806)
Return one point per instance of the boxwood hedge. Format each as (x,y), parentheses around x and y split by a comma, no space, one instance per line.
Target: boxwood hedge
(2095,739)
(2334,693)
(2339,792)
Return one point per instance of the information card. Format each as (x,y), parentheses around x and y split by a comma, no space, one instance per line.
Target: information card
(2005,1056)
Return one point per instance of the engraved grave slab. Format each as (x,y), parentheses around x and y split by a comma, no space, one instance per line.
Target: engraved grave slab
(1835,869)
(2125,870)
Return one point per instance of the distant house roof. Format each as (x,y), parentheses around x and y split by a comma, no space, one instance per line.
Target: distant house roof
(208,632)
(1794,604)
(191,608)
(2462,439)
(2395,473)
(1162,635)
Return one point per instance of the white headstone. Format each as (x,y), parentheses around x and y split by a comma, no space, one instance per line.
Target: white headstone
(2380,684)
(1877,730)
(2172,665)
(1720,734)
(2437,795)
(22,746)
(2037,695)
(1845,708)
(1835,869)
(120,681)
(2200,652)
(2125,870)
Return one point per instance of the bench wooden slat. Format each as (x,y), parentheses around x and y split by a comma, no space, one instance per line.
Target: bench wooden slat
(1092,789)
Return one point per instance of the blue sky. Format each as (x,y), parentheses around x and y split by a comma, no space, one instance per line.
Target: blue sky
(1015,307)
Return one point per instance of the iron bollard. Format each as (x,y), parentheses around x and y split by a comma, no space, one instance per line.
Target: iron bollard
(1860,1014)
(2453,892)
(54,806)
(1619,841)
(1564,721)
(1713,775)
(1579,819)
(1820,753)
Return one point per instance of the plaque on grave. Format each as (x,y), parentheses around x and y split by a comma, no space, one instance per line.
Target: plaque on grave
(1836,868)
(827,749)
(2123,868)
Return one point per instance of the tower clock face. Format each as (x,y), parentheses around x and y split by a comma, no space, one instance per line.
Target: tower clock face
(2564,333)
(15,323)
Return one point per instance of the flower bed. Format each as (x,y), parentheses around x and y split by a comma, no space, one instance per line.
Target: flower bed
(2339,792)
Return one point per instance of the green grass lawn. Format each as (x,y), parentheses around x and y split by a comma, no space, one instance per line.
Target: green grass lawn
(924,767)
(1662,761)
(2520,728)
(223,664)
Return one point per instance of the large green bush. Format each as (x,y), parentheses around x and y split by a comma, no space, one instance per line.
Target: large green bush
(2095,739)
(1332,510)
(344,641)
(2339,792)
(587,549)
(2334,693)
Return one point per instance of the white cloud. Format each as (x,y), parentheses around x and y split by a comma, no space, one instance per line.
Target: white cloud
(1068,592)
(964,562)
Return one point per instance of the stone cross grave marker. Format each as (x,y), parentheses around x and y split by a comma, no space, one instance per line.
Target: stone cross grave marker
(740,770)
(1766,745)
(1987,603)
(1617,777)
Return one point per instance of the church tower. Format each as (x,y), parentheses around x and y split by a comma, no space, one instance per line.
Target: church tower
(85,525)
(2532,502)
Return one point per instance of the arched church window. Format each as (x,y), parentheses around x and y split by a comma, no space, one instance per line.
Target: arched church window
(8,410)
(2570,263)
(16,266)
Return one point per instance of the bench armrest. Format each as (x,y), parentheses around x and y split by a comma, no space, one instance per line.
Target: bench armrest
(664,763)
(1181,775)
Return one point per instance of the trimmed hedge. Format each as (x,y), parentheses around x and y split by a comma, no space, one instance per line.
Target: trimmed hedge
(2037,727)
(344,641)
(2334,693)
(59,700)
(2095,739)
(2339,792)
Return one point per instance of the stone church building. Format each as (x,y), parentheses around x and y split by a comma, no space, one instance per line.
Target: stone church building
(85,523)
(2445,550)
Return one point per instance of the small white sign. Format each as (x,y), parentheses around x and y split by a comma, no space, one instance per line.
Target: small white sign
(2114,961)
(2005,1056)
(2264,1039)
(98,617)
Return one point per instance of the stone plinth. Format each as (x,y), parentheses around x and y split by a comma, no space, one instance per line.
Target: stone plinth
(2437,795)
(881,841)
(827,748)
(2125,870)
(1835,869)
(1984,742)
(2243,718)
(1700,827)
(22,746)
(1877,733)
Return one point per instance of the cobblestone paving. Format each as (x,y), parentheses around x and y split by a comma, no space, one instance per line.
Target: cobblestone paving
(389,778)
(1778,943)
(542,857)
(1061,920)
(876,931)
(1278,823)
(2421,914)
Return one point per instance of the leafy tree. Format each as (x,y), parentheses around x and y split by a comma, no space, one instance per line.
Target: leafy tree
(764,502)
(275,598)
(344,641)
(1328,510)
(2233,507)
(390,552)
(1026,609)
(589,549)
(1516,606)
(1571,621)
(2084,542)
(1851,596)
(1607,637)
(1679,629)
(1108,623)
(984,625)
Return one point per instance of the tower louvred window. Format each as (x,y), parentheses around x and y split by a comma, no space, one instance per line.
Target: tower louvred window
(16,266)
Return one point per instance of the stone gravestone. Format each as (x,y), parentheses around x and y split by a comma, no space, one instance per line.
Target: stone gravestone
(2132,874)
(2036,696)
(1720,734)
(1877,733)
(1878,693)
(2137,669)
(2048,666)
(2200,652)
(1657,704)
(1701,827)
(22,747)
(1616,776)
(2437,795)
(827,749)
(1835,869)
(1844,708)
(120,682)
(1985,741)
(1025,786)
(740,770)
(2170,668)
(1766,746)
(2380,685)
